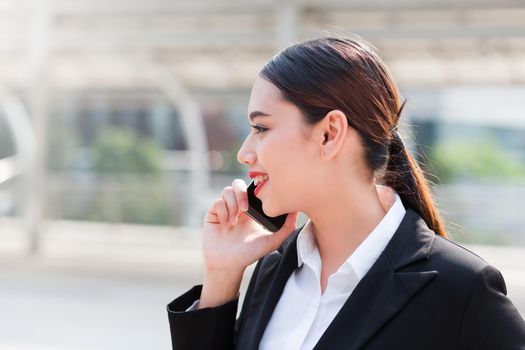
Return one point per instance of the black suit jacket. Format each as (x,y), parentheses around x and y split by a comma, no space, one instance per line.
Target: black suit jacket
(423,292)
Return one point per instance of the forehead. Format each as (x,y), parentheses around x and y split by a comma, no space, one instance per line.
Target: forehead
(266,97)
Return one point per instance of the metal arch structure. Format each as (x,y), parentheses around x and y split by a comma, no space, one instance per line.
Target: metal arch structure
(194,130)
(20,164)
(29,129)
(22,130)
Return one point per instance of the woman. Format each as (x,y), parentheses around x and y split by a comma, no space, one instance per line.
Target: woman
(371,268)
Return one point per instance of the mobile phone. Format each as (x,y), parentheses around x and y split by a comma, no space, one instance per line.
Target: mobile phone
(256,212)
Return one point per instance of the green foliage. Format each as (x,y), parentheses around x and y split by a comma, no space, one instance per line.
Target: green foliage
(480,159)
(130,168)
(121,151)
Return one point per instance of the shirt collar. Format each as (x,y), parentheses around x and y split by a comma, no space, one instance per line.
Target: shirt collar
(369,250)
(306,243)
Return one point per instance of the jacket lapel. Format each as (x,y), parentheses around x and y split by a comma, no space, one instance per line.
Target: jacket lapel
(385,289)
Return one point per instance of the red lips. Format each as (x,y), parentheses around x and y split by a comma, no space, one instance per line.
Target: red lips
(258,188)
(253,174)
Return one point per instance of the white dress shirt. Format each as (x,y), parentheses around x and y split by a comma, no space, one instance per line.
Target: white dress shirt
(303,314)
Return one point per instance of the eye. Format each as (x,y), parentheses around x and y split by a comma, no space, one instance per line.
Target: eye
(258,128)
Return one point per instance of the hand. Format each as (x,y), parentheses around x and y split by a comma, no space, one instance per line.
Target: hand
(232,240)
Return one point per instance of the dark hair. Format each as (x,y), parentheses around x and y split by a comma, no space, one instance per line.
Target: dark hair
(346,74)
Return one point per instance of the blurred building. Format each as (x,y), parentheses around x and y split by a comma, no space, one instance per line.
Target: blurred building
(180,73)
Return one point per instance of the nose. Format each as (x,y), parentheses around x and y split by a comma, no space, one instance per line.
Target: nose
(245,155)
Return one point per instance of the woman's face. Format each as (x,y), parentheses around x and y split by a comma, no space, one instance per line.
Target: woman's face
(280,144)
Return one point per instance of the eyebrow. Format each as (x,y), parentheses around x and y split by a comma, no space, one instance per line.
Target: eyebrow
(255,114)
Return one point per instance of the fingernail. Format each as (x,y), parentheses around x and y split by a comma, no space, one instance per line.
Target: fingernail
(244,206)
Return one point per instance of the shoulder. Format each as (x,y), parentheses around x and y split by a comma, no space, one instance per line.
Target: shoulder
(415,247)
(463,266)
(447,253)
(458,269)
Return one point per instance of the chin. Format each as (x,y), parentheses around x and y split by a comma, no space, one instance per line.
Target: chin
(268,210)
(271,211)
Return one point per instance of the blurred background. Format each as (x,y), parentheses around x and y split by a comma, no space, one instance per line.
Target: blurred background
(120,122)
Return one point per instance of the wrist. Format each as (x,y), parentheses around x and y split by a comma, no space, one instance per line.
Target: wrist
(219,288)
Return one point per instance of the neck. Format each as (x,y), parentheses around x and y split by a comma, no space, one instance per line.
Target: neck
(346,219)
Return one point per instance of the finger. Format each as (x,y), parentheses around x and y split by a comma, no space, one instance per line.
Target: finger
(211,218)
(222,212)
(231,203)
(241,194)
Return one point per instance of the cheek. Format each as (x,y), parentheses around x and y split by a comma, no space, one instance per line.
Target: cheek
(282,153)
(289,161)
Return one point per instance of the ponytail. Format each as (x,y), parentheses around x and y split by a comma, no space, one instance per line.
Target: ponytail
(405,176)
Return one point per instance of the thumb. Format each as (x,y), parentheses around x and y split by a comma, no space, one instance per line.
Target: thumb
(278,237)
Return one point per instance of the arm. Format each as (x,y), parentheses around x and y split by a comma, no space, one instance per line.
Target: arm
(209,327)
(206,328)
(491,321)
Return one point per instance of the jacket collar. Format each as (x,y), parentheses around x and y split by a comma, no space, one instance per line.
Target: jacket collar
(365,311)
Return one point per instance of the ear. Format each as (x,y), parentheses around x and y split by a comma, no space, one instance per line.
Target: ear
(334,127)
